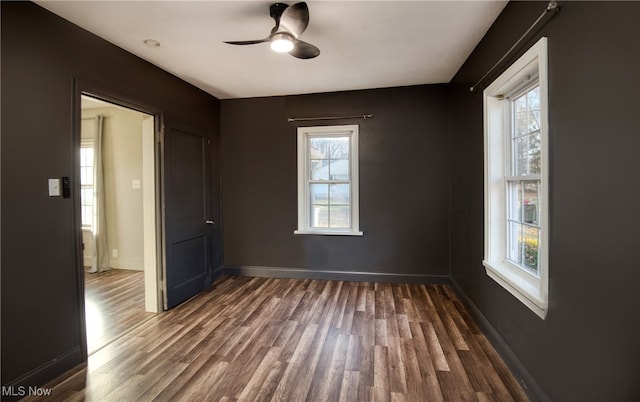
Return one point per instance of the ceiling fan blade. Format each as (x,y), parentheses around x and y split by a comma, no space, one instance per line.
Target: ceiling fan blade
(295,19)
(304,50)
(275,11)
(247,42)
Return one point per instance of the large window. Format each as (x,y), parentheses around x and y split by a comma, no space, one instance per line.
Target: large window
(516,179)
(328,180)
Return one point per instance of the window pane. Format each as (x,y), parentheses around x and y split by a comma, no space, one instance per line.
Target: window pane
(339,216)
(531,239)
(339,194)
(514,201)
(339,147)
(520,160)
(319,193)
(533,98)
(329,147)
(87,215)
(530,203)
(86,176)
(319,169)
(523,201)
(520,104)
(86,156)
(534,153)
(318,148)
(319,216)
(89,176)
(520,124)
(526,155)
(533,121)
(339,169)
(515,242)
(86,196)
(89,156)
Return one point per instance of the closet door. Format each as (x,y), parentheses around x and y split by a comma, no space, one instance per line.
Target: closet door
(188,228)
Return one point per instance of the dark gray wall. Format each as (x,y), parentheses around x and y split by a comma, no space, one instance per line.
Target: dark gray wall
(404,182)
(587,349)
(41,56)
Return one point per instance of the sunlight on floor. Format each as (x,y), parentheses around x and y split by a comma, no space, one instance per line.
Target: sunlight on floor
(95,323)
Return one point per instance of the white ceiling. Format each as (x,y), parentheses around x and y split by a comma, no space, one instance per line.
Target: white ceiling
(364,44)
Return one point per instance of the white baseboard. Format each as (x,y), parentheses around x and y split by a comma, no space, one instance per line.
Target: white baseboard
(132,264)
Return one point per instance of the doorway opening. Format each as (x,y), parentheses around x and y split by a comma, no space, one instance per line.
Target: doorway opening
(118,206)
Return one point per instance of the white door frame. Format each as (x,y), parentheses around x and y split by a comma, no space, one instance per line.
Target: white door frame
(152,219)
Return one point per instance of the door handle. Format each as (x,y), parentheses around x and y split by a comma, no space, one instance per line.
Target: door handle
(209,222)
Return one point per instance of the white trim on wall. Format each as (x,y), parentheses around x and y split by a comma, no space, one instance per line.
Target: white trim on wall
(304,203)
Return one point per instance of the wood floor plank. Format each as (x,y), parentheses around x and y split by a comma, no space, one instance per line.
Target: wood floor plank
(349,388)
(331,381)
(381,389)
(259,376)
(435,348)
(269,386)
(260,339)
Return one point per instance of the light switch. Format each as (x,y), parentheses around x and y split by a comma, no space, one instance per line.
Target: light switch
(54,187)
(135,183)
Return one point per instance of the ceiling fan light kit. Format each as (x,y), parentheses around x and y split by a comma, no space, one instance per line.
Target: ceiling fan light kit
(281,43)
(291,22)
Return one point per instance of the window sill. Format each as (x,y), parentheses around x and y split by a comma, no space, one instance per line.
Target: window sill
(327,233)
(527,291)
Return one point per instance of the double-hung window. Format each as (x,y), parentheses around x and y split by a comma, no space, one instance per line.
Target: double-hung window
(328,180)
(516,179)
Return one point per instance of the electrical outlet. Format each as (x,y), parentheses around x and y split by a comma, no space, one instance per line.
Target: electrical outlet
(114,253)
(135,184)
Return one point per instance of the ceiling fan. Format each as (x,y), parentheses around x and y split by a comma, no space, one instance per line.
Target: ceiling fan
(291,21)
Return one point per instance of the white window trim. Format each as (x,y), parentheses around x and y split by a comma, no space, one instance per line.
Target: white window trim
(531,289)
(304,226)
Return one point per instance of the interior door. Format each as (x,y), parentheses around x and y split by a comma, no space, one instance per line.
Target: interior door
(188,229)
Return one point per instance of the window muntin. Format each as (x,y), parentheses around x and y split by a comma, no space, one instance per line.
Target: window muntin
(328,180)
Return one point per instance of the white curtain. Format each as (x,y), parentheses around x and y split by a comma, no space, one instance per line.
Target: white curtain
(100,257)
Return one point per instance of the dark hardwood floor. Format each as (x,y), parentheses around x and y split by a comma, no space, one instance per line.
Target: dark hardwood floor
(259,339)
(114,303)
